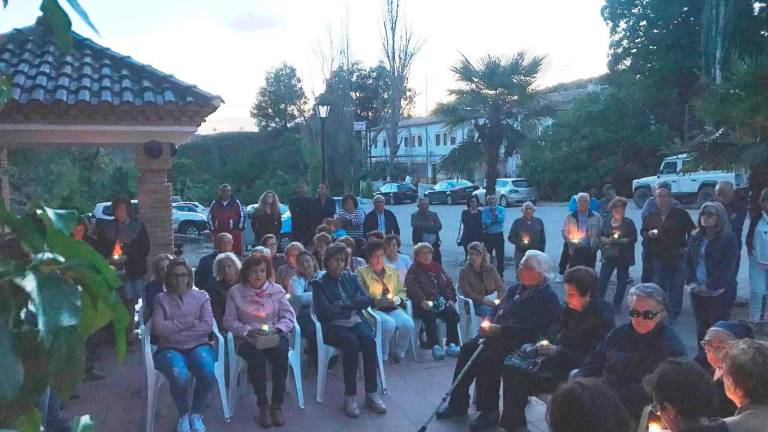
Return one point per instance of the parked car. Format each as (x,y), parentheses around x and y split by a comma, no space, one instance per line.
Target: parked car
(191,206)
(396,193)
(689,184)
(511,191)
(451,191)
(184,222)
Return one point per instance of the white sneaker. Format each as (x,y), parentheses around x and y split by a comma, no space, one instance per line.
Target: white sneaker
(453,350)
(350,406)
(183,424)
(196,423)
(374,403)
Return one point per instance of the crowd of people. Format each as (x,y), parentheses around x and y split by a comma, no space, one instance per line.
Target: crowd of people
(345,269)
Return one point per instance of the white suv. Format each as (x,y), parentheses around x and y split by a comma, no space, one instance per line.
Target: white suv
(184,222)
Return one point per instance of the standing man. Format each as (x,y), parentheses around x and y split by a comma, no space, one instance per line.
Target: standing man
(323,206)
(493,231)
(648,208)
(204,272)
(301,216)
(665,232)
(580,232)
(380,219)
(227,215)
(426,228)
(527,233)
(609,193)
(736,208)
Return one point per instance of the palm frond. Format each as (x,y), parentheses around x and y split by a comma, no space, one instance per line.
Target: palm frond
(462,160)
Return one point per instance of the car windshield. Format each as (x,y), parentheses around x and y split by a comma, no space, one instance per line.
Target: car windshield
(389,187)
(502,183)
(523,184)
(445,185)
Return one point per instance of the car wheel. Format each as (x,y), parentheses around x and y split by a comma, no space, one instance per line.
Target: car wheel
(189,229)
(449,200)
(706,194)
(641,196)
(503,201)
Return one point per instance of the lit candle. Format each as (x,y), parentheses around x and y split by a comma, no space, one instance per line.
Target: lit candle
(654,427)
(544,342)
(265,327)
(430,303)
(485,324)
(653,232)
(526,238)
(288,296)
(496,301)
(117,251)
(616,234)
(390,296)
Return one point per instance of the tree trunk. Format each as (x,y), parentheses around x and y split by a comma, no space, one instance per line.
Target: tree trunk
(491,147)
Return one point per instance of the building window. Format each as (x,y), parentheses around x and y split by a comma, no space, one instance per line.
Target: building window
(420,142)
(405,141)
(445,138)
(437,139)
(453,139)
(384,143)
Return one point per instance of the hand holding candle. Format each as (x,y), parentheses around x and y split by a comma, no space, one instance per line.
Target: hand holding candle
(654,427)
(525,238)
(264,329)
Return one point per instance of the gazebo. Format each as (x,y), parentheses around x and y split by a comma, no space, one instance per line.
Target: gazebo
(93,96)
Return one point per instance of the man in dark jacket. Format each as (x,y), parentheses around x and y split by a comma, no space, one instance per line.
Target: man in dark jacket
(227,215)
(527,233)
(523,316)
(301,216)
(583,324)
(380,219)
(323,206)
(426,228)
(204,271)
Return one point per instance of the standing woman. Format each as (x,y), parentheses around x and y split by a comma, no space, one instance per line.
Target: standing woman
(757,249)
(618,236)
(711,264)
(266,219)
(182,322)
(352,220)
(260,317)
(471,226)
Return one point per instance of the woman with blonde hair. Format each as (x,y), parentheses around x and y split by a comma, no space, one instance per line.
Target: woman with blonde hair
(479,281)
(320,244)
(266,219)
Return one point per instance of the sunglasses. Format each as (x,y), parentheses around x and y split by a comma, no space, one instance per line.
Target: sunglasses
(646,315)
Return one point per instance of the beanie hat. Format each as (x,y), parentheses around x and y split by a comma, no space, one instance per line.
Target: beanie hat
(737,329)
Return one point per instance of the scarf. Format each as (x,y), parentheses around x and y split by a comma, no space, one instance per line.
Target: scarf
(433,267)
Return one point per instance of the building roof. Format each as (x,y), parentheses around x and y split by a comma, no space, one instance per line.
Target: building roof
(414,121)
(51,85)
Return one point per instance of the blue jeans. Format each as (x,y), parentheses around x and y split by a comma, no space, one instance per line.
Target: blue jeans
(179,366)
(622,278)
(669,274)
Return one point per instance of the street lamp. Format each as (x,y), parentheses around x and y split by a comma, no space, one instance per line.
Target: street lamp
(322,112)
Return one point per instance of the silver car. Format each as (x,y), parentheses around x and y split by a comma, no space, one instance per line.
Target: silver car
(510,191)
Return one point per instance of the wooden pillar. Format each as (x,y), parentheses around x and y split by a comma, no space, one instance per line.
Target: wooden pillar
(154,195)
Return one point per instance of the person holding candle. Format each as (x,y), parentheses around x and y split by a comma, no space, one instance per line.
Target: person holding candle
(584,322)
(633,350)
(260,317)
(665,232)
(745,375)
(617,239)
(339,300)
(471,225)
(182,323)
(480,282)
(580,232)
(711,262)
(523,316)
(300,293)
(226,270)
(493,231)
(586,405)
(683,397)
(433,295)
(288,270)
(392,256)
(527,233)
(382,283)
(716,343)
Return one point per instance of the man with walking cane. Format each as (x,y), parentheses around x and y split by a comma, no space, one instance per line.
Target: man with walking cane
(523,316)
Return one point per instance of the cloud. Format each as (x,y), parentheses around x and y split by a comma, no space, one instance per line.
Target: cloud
(251,22)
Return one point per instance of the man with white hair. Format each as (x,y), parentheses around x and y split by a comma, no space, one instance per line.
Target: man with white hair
(523,316)
(380,219)
(580,232)
(527,233)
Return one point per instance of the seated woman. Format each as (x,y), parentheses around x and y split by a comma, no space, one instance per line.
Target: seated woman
(258,311)
(288,270)
(226,271)
(584,322)
(182,322)
(633,350)
(523,316)
(156,285)
(393,257)
(301,298)
(320,244)
(745,374)
(683,397)
(382,284)
(339,301)
(353,262)
(586,405)
(479,279)
(269,241)
(716,343)
(431,290)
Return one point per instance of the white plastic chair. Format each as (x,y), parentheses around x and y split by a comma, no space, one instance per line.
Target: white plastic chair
(326,352)
(441,331)
(471,322)
(155,379)
(237,364)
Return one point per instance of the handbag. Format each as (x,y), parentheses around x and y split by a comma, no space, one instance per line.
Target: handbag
(263,342)
(526,360)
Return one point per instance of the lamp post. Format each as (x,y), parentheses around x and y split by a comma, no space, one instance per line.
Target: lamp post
(322,112)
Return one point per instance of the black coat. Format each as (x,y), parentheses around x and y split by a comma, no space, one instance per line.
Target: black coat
(134,240)
(371,223)
(204,271)
(327,291)
(322,210)
(720,259)
(525,314)
(578,333)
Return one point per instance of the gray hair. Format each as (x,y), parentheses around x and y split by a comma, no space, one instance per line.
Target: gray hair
(662,184)
(725,184)
(220,258)
(377,198)
(647,290)
(723,224)
(538,261)
(421,247)
(261,250)
(582,196)
(528,204)
(294,245)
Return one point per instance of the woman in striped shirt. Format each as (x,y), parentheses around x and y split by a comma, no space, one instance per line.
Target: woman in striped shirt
(352,219)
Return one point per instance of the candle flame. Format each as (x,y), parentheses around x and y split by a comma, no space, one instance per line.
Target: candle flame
(265,327)
(496,301)
(544,342)
(526,238)
(654,427)
(485,324)
(616,234)
(430,303)
(117,251)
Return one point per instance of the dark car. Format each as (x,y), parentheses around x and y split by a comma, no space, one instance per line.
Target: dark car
(396,193)
(451,192)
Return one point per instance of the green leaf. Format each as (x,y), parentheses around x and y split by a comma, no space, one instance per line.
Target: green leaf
(64,220)
(30,421)
(6,90)
(55,299)
(29,230)
(82,424)
(59,22)
(13,371)
(66,361)
(74,4)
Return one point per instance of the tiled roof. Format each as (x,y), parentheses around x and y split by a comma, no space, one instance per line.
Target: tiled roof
(89,75)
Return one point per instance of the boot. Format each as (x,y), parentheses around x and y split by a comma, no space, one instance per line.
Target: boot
(277,415)
(265,418)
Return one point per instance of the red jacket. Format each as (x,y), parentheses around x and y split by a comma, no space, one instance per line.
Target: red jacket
(226,218)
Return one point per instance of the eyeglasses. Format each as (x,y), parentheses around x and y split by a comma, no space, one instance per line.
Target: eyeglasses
(708,345)
(646,315)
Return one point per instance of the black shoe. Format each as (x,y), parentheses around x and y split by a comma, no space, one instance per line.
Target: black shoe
(484,421)
(449,412)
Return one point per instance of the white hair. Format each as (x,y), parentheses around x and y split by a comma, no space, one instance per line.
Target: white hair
(262,250)
(647,290)
(220,258)
(582,195)
(538,261)
(529,204)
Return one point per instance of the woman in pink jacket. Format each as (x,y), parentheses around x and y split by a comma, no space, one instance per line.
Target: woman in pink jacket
(260,317)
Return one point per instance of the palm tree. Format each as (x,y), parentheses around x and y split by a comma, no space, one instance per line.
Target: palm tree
(497,97)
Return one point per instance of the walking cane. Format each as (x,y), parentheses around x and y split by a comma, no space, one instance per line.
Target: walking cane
(480,347)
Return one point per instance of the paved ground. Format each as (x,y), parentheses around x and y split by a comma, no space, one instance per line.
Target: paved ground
(117,403)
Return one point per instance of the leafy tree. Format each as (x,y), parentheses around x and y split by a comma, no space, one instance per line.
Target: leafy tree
(497,97)
(281,103)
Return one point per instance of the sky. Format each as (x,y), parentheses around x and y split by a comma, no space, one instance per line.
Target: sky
(226,46)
